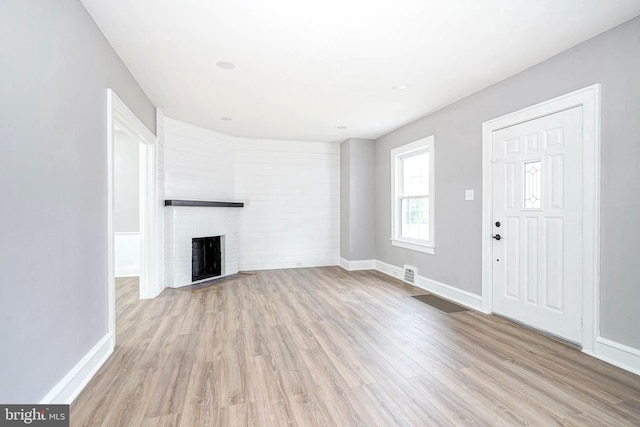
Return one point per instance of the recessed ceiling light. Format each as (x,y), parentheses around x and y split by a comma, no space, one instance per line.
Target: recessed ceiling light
(341,127)
(226,119)
(225,65)
(400,87)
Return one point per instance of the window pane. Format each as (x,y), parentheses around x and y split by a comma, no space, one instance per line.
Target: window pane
(533,185)
(414,174)
(415,218)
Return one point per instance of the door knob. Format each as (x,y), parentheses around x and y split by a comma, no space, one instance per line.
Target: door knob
(497,237)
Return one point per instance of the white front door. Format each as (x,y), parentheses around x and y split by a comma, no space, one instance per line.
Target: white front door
(537,212)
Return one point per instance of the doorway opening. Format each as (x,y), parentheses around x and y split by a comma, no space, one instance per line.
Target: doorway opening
(136,206)
(126,206)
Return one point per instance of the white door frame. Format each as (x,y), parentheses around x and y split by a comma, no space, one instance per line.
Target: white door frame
(118,111)
(589,99)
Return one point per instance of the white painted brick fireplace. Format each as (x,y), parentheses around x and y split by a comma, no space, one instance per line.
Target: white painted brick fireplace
(184,223)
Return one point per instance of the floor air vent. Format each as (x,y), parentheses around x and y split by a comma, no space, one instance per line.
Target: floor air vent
(409,274)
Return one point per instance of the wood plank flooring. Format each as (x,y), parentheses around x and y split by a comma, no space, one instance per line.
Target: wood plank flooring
(326,347)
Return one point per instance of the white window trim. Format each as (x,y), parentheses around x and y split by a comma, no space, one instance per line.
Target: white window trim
(403,242)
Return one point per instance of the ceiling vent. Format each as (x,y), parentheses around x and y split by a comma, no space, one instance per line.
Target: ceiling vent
(409,274)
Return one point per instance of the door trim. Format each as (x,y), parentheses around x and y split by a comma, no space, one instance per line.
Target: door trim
(589,99)
(118,111)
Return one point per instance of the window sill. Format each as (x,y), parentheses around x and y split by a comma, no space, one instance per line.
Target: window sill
(419,247)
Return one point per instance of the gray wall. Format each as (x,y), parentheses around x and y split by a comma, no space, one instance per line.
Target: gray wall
(357,199)
(126,183)
(56,67)
(345,195)
(613,59)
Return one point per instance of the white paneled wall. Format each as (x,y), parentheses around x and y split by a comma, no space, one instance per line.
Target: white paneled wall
(199,163)
(292,195)
(291,191)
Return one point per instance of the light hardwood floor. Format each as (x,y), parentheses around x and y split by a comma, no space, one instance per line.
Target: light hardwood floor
(326,347)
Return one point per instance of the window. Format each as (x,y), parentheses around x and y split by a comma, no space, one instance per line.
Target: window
(412,181)
(532,184)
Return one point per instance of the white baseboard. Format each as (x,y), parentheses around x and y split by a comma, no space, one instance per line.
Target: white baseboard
(278,265)
(440,289)
(388,269)
(129,271)
(620,355)
(363,264)
(77,378)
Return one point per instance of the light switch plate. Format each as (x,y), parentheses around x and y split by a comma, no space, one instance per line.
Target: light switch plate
(468,195)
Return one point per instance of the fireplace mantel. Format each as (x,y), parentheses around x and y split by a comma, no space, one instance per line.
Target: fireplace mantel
(203,203)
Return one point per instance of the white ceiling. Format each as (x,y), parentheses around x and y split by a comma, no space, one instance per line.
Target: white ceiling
(305,68)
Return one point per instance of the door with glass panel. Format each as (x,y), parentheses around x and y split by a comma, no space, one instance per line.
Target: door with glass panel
(537,223)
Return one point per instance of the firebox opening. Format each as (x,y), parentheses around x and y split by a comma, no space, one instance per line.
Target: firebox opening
(206,258)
